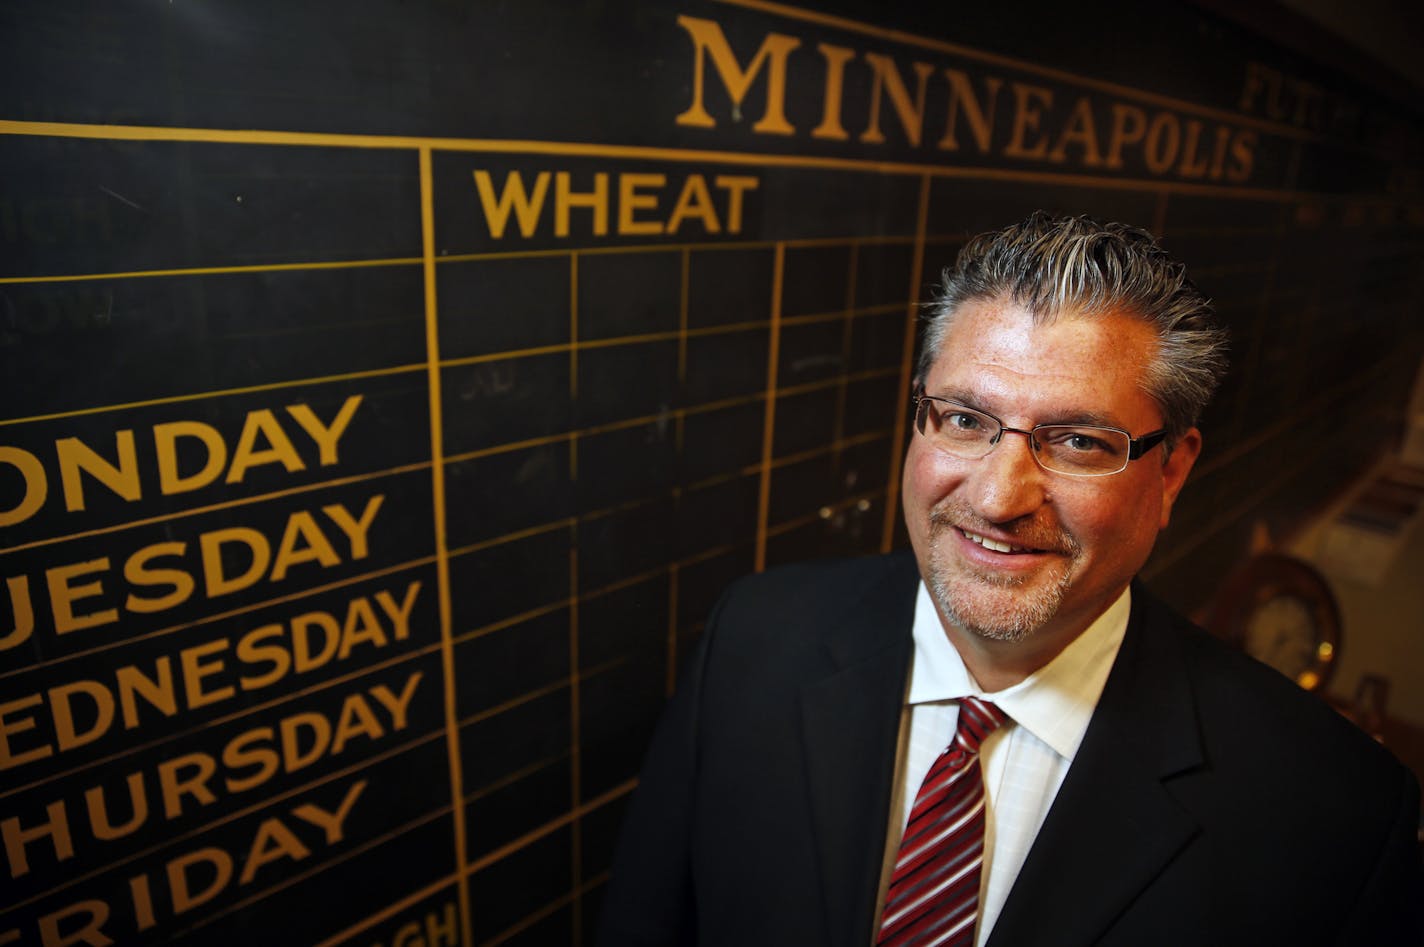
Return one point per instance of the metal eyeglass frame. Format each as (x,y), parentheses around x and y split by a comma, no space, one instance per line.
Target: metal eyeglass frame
(1136,446)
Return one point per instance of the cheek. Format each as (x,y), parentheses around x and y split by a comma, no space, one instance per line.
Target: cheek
(926,478)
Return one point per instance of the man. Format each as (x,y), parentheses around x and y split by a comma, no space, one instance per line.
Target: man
(1113,774)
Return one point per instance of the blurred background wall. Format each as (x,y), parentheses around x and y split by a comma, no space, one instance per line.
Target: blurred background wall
(387,390)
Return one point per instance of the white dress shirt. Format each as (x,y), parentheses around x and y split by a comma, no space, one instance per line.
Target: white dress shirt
(1024,762)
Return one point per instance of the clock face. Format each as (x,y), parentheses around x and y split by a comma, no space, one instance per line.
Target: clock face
(1281,611)
(1282,632)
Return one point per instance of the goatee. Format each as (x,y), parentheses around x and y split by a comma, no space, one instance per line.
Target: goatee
(995,606)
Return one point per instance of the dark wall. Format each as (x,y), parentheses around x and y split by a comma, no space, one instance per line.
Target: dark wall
(387,391)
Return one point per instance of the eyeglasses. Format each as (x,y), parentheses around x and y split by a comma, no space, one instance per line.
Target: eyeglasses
(1078,450)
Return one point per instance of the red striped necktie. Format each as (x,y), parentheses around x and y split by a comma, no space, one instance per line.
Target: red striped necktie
(934,892)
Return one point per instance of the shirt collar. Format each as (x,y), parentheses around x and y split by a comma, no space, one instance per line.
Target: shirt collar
(1054,703)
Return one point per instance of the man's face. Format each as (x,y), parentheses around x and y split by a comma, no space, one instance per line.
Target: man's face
(1076,541)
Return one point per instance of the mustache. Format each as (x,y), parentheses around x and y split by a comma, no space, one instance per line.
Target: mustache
(1028,532)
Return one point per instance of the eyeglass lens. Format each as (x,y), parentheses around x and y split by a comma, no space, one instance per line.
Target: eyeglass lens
(1081,450)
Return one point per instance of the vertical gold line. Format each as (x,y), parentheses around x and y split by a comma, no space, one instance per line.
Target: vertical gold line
(769,414)
(847,334)
(442,556)
(682,318)
(573,324)
(897,445)
(672,629)
(573,360)
(575,826)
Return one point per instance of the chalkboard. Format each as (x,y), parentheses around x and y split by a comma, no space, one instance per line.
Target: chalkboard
(388,390)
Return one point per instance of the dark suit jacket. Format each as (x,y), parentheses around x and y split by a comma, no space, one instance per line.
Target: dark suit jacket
(1211,802)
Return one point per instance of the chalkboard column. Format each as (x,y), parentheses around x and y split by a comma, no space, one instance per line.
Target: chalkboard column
(221,652)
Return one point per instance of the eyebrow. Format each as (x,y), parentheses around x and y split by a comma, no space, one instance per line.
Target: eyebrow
(1081,417)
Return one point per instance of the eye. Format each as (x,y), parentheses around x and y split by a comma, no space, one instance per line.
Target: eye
(961,421)
(1078,441)
(1084,443)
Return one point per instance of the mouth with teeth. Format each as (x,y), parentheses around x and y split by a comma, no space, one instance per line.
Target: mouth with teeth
(993,544)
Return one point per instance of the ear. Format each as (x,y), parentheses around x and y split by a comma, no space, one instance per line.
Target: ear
(1175,470)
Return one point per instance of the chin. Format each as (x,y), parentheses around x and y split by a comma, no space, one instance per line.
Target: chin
(994,607)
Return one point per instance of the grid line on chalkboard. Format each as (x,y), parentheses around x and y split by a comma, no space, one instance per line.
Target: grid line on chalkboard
(301,876)
(222,616)
(206,827)
(637,152)
(773,360)
(219,393)
(442,554)
(226,505)
(907,355)
(214,270)
(389,911)
(89,766)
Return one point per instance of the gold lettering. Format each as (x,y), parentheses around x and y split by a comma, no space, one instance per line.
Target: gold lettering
(195,670)
(694,201)
(66,729)
(326,436)
(279,450)
(526,207)
(274,840)
(9,759)
(886,81)
(565,199)
(36,485)
(76,457)
(1129,127)
(836,58)
(356,530)
(63,595)
(710,42)
(1079,131)
(215,579)
(137,573)
(301,525)
(629,201)
(1029,102)
(16,838)
(735,186)
(980,116)
(1164,136)
(165,438)
(23,612)
(159,693)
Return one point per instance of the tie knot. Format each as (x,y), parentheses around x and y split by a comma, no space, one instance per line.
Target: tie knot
(977,719)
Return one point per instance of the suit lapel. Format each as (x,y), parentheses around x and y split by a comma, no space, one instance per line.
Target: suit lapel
(1114,825)
(850,720)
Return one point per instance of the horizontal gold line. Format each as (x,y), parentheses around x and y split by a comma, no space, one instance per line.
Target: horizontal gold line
(787,526)
(389,911)
(524,841)
(222,616)
(291,880)
(211,270)
(226,505)
(221,393)
(232,816)
(248,711)
(634,152)
(967,52)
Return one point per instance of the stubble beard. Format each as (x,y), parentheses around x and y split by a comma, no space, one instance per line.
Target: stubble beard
(993,606)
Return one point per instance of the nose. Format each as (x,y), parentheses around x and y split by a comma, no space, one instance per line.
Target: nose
(1007,482)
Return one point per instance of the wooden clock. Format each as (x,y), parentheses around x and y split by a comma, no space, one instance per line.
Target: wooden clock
(1280,610)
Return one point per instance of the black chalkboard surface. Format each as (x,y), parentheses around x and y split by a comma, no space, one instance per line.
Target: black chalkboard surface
(388,390)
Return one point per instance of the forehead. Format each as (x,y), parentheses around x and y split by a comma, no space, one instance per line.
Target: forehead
(995,354)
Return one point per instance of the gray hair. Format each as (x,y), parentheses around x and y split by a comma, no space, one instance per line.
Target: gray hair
(1077,266)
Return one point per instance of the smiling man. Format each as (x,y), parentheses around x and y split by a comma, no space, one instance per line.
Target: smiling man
(1005,739)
